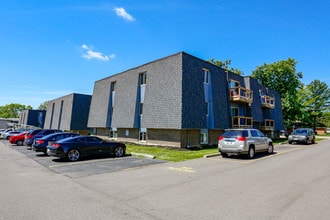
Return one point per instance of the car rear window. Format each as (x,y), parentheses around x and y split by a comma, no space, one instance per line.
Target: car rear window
(234,133)
(34,132)
(300,132)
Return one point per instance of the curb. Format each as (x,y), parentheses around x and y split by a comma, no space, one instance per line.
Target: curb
(211,155)
(143,155)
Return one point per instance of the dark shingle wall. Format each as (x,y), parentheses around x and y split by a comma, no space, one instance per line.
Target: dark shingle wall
(194,107)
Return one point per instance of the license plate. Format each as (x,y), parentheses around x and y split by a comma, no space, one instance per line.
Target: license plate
(229,142)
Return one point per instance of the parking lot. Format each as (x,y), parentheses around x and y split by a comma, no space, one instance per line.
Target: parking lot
(87,166)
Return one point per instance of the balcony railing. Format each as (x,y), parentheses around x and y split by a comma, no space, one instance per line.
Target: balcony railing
(242,122)
(240,94)
(267,101)
(267,125)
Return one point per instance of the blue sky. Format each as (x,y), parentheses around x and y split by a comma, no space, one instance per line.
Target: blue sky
(53,48)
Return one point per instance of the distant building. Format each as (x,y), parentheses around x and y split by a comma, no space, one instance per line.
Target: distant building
(68,113)
(181,101)
(32,118)
(8,123)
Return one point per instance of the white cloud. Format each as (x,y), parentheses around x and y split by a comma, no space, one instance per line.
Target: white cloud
(90,54)
(121,12)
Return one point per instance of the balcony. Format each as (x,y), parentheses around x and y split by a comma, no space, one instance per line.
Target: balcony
(242,122)
(267,125)
(267,101)
(240,94)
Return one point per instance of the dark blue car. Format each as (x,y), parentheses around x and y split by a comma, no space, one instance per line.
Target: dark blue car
(76,147)
(39,134)
(40,144)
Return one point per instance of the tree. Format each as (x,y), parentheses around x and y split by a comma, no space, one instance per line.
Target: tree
(316,99)
(225,65)
(282,77)
(12,110)
(43,106)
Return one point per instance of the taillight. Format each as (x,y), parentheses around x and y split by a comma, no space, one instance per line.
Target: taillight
(221,138)
(40,141)
(241,138)
(56,145)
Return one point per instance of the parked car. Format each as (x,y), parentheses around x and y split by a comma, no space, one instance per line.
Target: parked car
(41,144)
(302,135)
(5,131)
(18,139)
(29,135)
(76,147)
(244,141)
(29,139)
(8,134)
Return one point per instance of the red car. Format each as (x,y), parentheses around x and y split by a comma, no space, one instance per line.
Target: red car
(18,138)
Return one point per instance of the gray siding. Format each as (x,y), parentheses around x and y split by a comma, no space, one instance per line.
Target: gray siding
(163,94)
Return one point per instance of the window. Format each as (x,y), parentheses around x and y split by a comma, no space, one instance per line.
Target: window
(143,136)
(114,134)
(206,73)
(254,133)
(234,111)
(143,78)
(233,83)
(113,86)
(207,108)
(204,136)
(141,108)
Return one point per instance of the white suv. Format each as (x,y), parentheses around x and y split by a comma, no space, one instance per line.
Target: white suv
(244,141)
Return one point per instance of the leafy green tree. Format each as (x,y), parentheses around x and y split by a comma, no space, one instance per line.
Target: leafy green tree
(282,77)
(12,110)
(43,106)
(225,65)
(316,99)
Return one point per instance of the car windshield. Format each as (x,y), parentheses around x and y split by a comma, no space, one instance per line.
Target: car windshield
(234,133)
(300,132)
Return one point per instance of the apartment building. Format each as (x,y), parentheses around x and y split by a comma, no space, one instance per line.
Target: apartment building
(68,113)
(181,100)
(32,118)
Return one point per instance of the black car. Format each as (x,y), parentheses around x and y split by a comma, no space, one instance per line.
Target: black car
(76,147)
(40,144)
(29,139)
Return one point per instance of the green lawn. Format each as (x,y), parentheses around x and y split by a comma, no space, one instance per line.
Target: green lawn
(170,154)
(177,155)
(173,154)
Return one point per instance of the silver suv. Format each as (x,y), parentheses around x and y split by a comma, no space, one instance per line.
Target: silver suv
(244,141)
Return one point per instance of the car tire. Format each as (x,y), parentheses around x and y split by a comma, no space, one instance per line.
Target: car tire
(313,141)
(224,155)
(19,143)
(119,151)
(251,153)
(270,149)
(290,142)
(73,155)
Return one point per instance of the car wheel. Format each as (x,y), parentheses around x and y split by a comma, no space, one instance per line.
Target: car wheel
(313,141)
(7,138)
(19,143)
(119,151)
(251,153)
(270,149)
(290,142)
(73,155)
(225,155)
